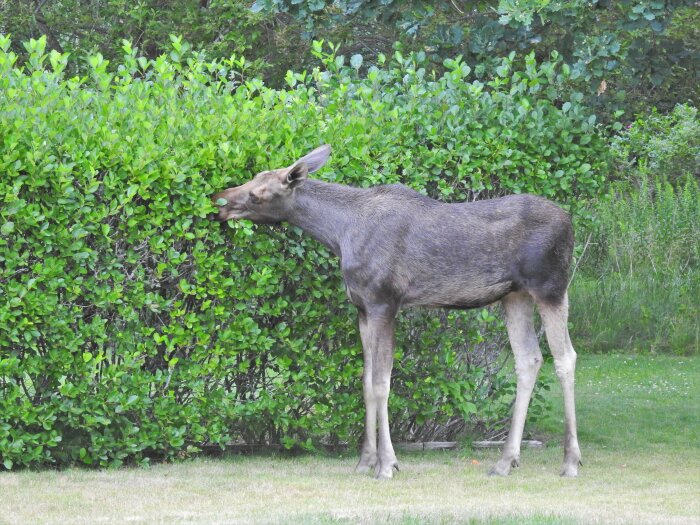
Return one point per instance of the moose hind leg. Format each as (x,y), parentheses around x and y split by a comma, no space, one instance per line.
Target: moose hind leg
(554,318)
(368,452)
(381,379)
(518,309)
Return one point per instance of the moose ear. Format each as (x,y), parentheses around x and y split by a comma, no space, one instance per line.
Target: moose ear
(296,173)
(316,159)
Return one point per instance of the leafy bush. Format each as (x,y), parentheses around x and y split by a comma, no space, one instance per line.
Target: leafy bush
(133,327)
(638,287)
(666,146)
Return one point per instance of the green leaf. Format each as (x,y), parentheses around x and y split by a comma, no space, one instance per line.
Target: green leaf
(7,228)
(258,6)
(657,26)
(356,61)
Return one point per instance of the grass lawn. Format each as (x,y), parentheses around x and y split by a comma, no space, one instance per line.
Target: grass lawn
(639,428)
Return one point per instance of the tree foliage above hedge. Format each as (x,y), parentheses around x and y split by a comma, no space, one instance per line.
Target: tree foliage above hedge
(133,327)
(629,54)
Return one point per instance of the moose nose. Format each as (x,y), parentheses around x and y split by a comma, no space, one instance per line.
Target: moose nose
(218,201)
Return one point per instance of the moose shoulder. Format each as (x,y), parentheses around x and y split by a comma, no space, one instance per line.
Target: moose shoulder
(399,248)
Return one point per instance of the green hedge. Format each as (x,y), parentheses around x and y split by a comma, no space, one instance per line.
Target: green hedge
(134,328)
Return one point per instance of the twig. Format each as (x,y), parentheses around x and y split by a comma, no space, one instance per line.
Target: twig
(456,7)
(653,266)
(578,261)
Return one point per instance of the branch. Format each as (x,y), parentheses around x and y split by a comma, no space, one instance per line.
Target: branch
(44,27)
(578,261)
(457,7)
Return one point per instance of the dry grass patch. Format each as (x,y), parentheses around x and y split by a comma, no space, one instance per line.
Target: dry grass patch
(641,466)
(432,488)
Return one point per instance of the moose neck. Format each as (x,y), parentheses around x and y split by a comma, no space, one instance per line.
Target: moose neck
(324,210)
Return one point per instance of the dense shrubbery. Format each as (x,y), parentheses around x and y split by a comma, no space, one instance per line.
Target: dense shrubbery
(133,327)
(640,283)
(665,146)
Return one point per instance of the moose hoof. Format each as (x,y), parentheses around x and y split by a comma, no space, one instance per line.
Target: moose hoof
(570,469)
(503,466)
(365,465)
(363,468)
(367,462)
(386,470)
(572,461)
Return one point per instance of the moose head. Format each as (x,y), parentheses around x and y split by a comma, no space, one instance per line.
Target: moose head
(269,196)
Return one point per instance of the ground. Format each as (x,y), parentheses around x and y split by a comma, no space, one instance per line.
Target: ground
(639,420)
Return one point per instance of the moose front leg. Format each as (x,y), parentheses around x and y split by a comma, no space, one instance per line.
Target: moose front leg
(377,332)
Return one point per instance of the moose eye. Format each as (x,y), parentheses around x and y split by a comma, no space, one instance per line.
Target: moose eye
(254,198)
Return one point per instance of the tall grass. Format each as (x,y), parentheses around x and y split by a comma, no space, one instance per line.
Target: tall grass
(638,286)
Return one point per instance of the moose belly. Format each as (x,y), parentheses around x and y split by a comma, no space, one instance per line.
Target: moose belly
(455,296)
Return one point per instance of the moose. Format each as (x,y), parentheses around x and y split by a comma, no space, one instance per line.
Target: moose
(398,249)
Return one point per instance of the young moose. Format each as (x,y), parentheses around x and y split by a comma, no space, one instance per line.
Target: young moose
(399,248)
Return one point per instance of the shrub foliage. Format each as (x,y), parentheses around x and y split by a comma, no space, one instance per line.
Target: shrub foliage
(132,327)
(664,146)
(639,287)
